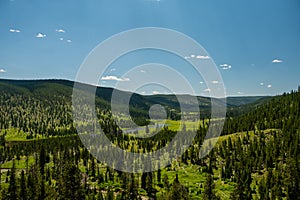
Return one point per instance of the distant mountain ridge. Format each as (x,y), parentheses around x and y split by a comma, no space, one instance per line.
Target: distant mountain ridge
(139,104)
(34,84)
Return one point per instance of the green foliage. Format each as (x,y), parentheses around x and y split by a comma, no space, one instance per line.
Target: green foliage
(69,184)
(42,157)
(12,189)
(209,189)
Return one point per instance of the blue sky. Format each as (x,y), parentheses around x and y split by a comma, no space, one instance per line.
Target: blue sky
(259,40)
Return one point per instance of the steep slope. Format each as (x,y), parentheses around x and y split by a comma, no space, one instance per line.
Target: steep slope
(278,113)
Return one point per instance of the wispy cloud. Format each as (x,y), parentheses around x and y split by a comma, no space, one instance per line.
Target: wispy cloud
(215,82)
(60,30)
(40,35)
(142,71)
(277,61)
(114,78)
(207,90)
(12,30)
(240,92)
(266,85)
(201,57)
(2,70)
(225,66)
(155,92)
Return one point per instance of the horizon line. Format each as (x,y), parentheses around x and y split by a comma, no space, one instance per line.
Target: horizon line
(101,86)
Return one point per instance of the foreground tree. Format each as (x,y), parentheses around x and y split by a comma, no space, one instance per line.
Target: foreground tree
(177,191)
(12,189)
(70,182)
(209,187)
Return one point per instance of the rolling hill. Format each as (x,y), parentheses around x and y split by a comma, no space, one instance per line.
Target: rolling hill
(140,103)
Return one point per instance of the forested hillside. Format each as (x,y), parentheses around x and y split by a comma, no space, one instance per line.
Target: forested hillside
(43,107)
(42,157)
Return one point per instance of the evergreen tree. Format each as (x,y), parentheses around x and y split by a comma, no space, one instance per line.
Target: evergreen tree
(209,187)
(70,183)
(23,189)
(133,189)
(177,191)
(12,188)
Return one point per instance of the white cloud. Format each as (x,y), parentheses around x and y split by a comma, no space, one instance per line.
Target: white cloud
(40,35)
(114,78)
(269,86)
(155,92)
(2,70)
(240,92)
(215,82)
(207,90)
(277,61)
(69,41)
(60,30)
(261,84)
(113,69)
(61,39)
(12,30)
(197,57)
(225,66)
(142,71)
(202,57)
(201,82)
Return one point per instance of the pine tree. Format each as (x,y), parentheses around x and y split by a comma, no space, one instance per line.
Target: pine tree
(133,189)
(166,182)
(100,196)
(42,161)
(292,180)
(110,195)
(12,189)
(23,190)
(209,187)
(159,175)
(93,170)
(179,191)
(70,182)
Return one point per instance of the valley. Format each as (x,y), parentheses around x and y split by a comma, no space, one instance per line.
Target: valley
(42,157)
